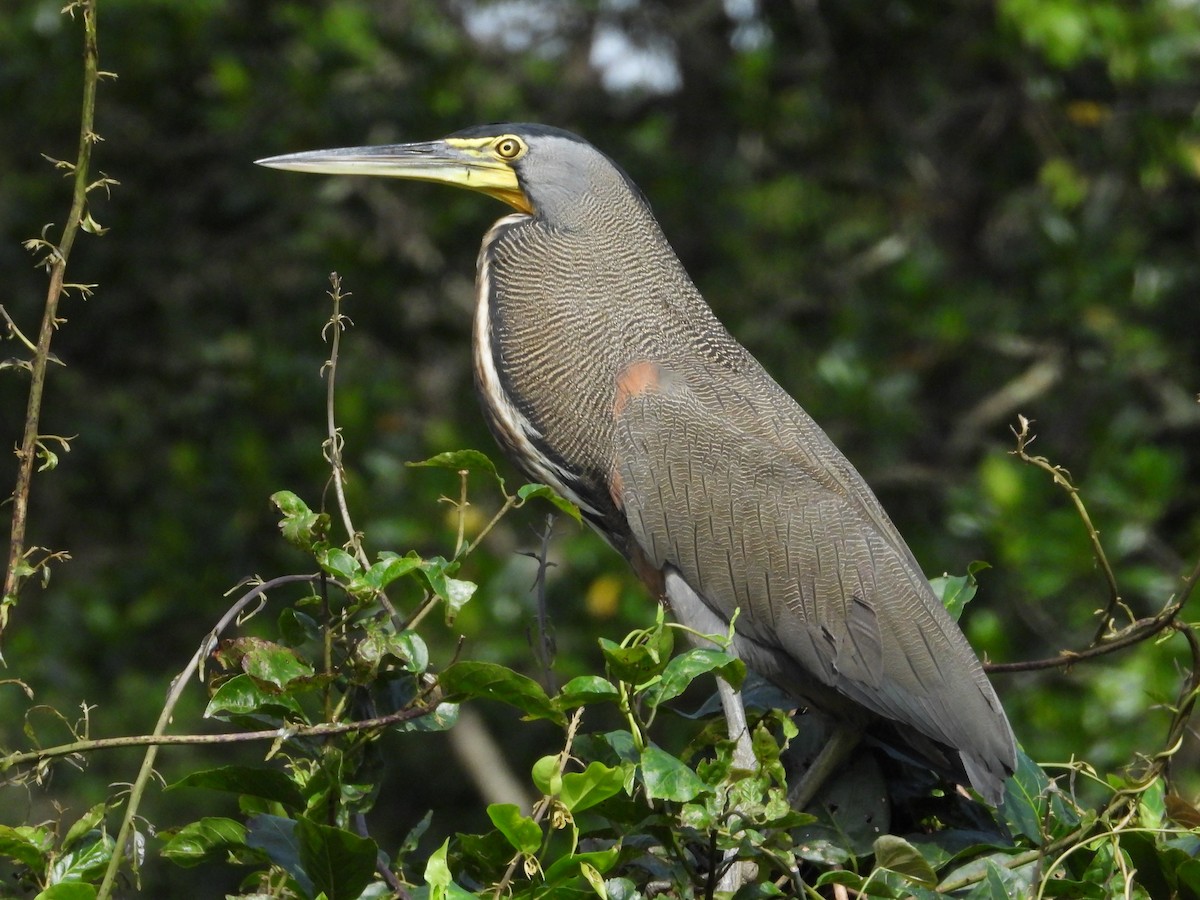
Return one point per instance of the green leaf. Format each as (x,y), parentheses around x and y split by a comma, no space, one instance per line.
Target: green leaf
(442,717)
(595,784)
(275,664)
(666,778)
(547,493)
(586,689)
(207,840)
(441,883)
(26,845)
(341,864)
(68,890)
(521,831)
(338,562)
(599,860)
(453,591)
(256,781)
(546,776)
(681,671)
(490,681)
(460,460)
(388,569)
(88,821)
(1024,798)
(954,592)
(301,526)
(84,864)
(458,592)
(638,664)
(242,695)
(407,647)
(1152,805)
(900,856)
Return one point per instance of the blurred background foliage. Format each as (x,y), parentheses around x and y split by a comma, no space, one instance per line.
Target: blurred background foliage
(923,217)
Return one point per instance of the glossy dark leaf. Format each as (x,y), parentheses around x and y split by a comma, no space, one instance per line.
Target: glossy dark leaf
(276,837)
(242,695)
(206,840)
(900,856)
(472,679)
(683,669)
(585,689)
(256,781)
(339,863)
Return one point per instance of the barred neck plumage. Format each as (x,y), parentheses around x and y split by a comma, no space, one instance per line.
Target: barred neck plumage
(510,426)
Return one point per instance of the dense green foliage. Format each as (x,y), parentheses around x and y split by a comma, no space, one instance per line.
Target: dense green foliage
(925,219)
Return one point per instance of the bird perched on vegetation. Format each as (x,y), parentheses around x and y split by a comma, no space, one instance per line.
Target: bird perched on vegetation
(603,373)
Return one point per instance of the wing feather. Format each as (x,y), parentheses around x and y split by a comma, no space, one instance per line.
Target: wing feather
(770,518)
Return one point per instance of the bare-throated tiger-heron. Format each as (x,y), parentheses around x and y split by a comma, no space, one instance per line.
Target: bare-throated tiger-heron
(603,373)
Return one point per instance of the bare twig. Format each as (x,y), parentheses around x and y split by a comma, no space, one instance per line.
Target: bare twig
(1062,478)
(334,442)
(1134,633)
(332,332)
(56,262)
(543,637)
(287,732)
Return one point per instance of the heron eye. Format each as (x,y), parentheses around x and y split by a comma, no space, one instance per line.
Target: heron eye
(509,148)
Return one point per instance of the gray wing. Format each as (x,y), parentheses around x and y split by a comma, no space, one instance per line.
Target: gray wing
(726,480)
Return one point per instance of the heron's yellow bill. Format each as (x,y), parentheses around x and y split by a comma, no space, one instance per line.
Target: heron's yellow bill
(462,163)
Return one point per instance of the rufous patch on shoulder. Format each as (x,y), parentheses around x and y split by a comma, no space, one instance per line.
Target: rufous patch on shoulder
(616,487)
(634,380)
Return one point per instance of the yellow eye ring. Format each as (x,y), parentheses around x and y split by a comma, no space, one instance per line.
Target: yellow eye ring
(509,147)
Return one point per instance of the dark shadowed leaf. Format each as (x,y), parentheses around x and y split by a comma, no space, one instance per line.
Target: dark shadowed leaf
(26,844)
(276,837)
(269,784)
(341,864)
(900,856)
